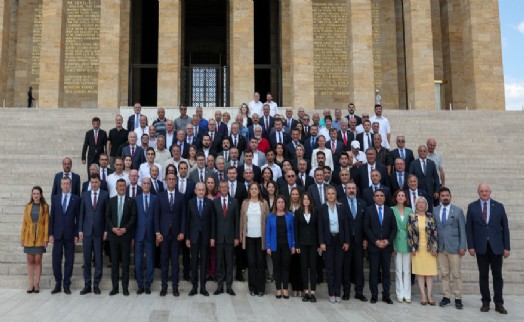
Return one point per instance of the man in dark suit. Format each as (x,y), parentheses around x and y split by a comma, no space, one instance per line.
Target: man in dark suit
(134,120)
(352,115)
(133,189)
(200,172)
(248,163)
(335,146)
(279,135)
(200,223)
(311,143)
(381,228)
(157,185)
(368,194)
(186,187)
(398,179)
(226,236)
(354,257)
(67,164)
(402,152)
(366,138)
(134,150)
(292,146)
(92,231)
(236,139)
(289,123)
(302,174)
(318,190)
(95,143)
(86,185)
(364,171)
(488,237)
(191,137)
(237,189)
(120,219)
(214,136)
(221,127)
(170,227)
(413,192)
(291,181)
(105,171)
(266,121)
(63,233)
(427,173)
(145,237)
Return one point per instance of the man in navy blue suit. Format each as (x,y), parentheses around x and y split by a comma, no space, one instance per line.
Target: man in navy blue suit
(63,233)
(170,228)
(92,231)
(145,237)
(279,135)
(67,164)
(402,152)
(487,231)
(95,142)
(134,120)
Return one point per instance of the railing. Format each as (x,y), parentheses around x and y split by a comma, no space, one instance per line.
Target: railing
(205,85)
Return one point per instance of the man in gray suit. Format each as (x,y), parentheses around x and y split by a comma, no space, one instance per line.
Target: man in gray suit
(451,227)
(200,172)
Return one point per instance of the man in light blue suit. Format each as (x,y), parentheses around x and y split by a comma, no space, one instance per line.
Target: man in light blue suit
(451,227)
(92,230)
(145,237)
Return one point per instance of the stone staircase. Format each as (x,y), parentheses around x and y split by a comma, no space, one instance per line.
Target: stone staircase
(474,145)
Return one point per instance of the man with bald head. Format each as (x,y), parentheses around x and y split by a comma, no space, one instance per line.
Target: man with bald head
(487,231)
(134,120)
(437,158)
(426,172)
(160,122)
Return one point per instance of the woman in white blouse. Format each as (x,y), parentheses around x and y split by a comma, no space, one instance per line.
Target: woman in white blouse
(321,140)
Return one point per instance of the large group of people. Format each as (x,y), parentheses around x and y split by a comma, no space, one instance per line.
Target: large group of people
(286,198)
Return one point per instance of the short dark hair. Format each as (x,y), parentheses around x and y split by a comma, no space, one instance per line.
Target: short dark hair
(94,176)
(444,189)
(95,119)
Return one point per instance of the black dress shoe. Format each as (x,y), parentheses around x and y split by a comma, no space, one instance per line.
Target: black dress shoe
(345,297)
(193,292)
(140,291)
(67,291)
(113,292)
(96,290)
(485,307)
(163,291)
(312,298)
(204,292)
(240,278)
(57,289)
(500,308)
(187,278)
(361,297)
(444,302)
(459,305)
(125,292)
(219,291)
(387,300)
(148,291)
(231,292)
(252,293)
(85,290)
(175,292)
(31,290)
(374,300)
(260,294)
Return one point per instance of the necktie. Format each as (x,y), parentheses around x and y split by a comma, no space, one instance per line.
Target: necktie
(267,123)
(353,209)
(212,136)
(321,193)
(232,189)
(424,166)
(400,181)
(279,137)
(306,130)
(221,177)
(134,192)
(345,139)
(218,126)
(402,155)
(235,164)
(94,200)
(120,210)
(235,141)
(196,130)
(133,152)
(414,198)
(200,208)
(64,204)
(369,140)
(182,186)
(155,185)
(303,179)
(96,137)
(444,216)
(146,203)
(380,215)
(67,175)
(103,174)
(333,147)
(289,123)
(171,200)
(485,213)
(201,175)
(224,207)
(226,155)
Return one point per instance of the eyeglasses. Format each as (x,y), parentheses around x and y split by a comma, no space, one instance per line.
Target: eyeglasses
(150,154)
(401,141)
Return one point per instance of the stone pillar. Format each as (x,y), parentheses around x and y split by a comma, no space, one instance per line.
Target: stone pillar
(110,54)
(241,51)
(285,53)
(484,79)
(51,89)
(362,80)
(389,88)
(419,54)
(5,11)
(169,52)
(303,85)
(125,25)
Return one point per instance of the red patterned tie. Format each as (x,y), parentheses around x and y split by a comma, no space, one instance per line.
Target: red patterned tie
(224,207)
(485,213)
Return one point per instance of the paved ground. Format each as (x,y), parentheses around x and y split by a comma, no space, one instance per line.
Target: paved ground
(17,305)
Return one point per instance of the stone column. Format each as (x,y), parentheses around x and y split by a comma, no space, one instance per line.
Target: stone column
(419,54)
(484,79)
(362,80)
(303,84)
(169,52)
(51,88)
(5,10)
(110,54)
(241,51)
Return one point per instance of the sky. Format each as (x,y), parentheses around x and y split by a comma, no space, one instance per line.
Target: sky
(512,30)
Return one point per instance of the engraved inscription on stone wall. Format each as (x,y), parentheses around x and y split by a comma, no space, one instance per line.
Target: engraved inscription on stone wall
(35,54)
(330,40)
(81,47)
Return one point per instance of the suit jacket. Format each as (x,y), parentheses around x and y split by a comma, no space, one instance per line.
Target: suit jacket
(145,221)
(451,235)
(240,192)
(194,174)
(85,186)
(306,234)
(361,138)
(375,231)
(421,193)
(359,119)
(335,176)
(271,231)
(400,244)
(395,154)
(497,229)
(138,158)
(228,226)
(350,137)
(355,225)
(363,176)
(160,187)
(309,181)
(290,150)
(196,142)
(313,190)
(324,233)
(339,147)
(309,148)
(138,190)
(94,149)
(75,184)
(64,225)
(167,217)
(190,189)
(131,122)
(241,143)
(256,171)
(288,128)
(184,149)
(285,192)
(266,130)
(273,139)
(128,217)
(367,195)
(212,151)
(92,221)
(430,180)
(197,224)
(393,181)
(222,129)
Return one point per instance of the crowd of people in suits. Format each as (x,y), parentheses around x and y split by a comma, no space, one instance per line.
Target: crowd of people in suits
(285,198)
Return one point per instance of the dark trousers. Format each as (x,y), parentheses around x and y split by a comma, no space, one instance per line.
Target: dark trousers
(92,246)
(224,265)
(380,261)
(240,260)
(186,258)
(120,248)
(281,261)
(147,247)
(63,248)
(256,265)
(308,265)
(295,273)
(334,258)
(199,254)
(169,253)
(212,264)
(353,270)
(484,261)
